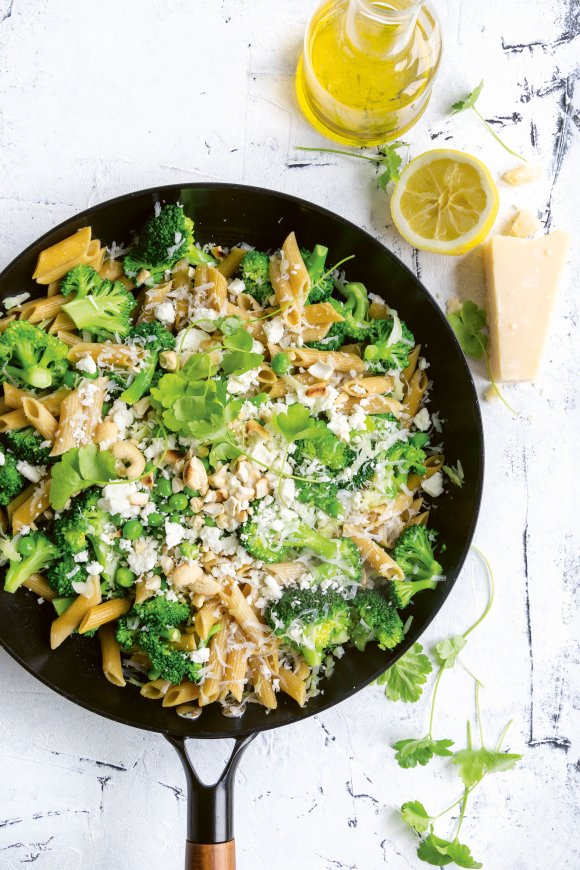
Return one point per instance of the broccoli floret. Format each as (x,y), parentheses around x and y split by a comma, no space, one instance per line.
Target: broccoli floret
(80,281)
(153,338)
(30,357)
(25,444)
(106,311)
(310,620)
(11,481)
(356,301)
(189,550)
(165,239)
(400,459)
(322,284)
(160,614)
(322,495)
(37,552)
(329,450)
(63,573)
(255,271)
(383,356)
(401,592)
(263,543)
(167,663)
(84,524)
(413,553)
(376,620)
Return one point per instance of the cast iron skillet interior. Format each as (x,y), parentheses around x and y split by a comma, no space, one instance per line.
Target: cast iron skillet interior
(228,214)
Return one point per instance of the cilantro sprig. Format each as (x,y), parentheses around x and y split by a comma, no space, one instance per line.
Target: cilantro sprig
(387,160)
(469,102)
(468,323)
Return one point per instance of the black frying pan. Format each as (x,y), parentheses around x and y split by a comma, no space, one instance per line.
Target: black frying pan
(228,214)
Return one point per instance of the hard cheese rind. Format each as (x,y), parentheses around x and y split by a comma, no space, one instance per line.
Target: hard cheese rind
(522,283)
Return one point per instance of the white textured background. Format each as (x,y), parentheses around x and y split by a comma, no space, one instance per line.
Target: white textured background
(97,99)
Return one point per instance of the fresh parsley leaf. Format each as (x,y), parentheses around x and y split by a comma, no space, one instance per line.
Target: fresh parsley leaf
(410,753)
(78,469)
(447,650)
(467,324)
(474,764)
(229,324)
(240,339)
(388,161)
(438,852)
(405,679)
(296,424)
(416,816)
(238,361)
(469,101)
(455,475)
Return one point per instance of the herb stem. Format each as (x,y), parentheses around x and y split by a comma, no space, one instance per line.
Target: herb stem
(490,578)
(340,151)
(478,707)
(462,812)
(496,136)
(435,688)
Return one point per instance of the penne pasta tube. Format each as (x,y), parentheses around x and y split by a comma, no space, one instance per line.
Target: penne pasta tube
(206,617)
(40,417)
(54,262)
(46,309)
(79,414)
(63,626)
(37,584)
(340,362)
(69,338)
(62,323)
(237,667)
(321,312)
(111,655)
(111,270)
(375,556)
(408,372)
(182,284)
(209,690)
(291,308)
(285,572)
(370,404)
(230,264)
(210,285)
(107,354)
(103,613)
(13,395)
(414,394)
(370,386)
(315,333)
(184,693)
(155,690)
(33,507)
(433,464)
(293,685)
(262,682)
(6,321)
(244,615)
(379,311)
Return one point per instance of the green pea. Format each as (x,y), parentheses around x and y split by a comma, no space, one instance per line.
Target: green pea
(155,519)
(176,518)
(124,577)
(191,493)
(26,546)
(281,363)
(178,501)
(132,530)
(163,487)
(164,508)
(117,519)
(205,463)
(209,521)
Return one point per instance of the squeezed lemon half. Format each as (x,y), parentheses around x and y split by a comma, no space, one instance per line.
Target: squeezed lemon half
(445,201)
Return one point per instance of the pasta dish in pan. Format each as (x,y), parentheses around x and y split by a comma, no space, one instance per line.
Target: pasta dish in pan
(216,461)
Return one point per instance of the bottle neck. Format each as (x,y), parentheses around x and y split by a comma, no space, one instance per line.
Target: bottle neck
(383,28)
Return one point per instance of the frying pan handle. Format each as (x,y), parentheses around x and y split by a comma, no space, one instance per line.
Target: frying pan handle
(210,811)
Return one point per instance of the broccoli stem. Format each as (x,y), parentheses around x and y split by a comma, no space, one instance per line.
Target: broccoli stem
(306,537)
(316,262)
(357,300)
(141,382)
(18,572)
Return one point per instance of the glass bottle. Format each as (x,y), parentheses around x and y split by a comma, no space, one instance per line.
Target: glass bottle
(367,68)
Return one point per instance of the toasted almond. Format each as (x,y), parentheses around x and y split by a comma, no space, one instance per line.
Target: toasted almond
(218,478)
(262,487)
(195,475)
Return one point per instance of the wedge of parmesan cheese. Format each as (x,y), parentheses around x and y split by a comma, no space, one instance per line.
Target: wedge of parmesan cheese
(523,276)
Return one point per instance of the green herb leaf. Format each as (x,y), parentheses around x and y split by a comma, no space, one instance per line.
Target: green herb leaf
(405,679)
(239,340)
(469,101)
(447,650)
(230,324)
(296,424)
(456,474)
(467,324)
(238,361)
(78,469)
(438,852)
(416,816)
(410,753)
(390,165)
(474,764)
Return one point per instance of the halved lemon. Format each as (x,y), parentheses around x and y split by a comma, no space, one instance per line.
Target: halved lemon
(445,201)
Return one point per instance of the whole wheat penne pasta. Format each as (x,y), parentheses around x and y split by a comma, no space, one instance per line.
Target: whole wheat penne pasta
(150,298)
(415,393)
(241,311)
(103,613)
(244,615)
(46,309)
(62,322)
(184,693)
(421,519)
(95,255)
(69,338)
(37,584)
(321,312)
(315,333)
(340,362)
(375,556)
(18,500)
(361,387)
(6,321)
(409,371)
(291,684)
(298,276)
(230,264)
(379,311)
(111,270)
(13,395)
(40,417)
(142,593)
(64,625)
(286,572)
(79,414)
(53,288)
(16,419)
(212,285)
(107,354)
(54,262)
(155,690)
(262,682)
(371,405)
(237,667)
(209,690)
(34,506)
(291,308)
(266,376)
(433,464)
(182,283)
(206,617)
(111,655)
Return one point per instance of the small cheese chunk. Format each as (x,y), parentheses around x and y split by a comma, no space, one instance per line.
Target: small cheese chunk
(522,174)
(524,225)
(522,282)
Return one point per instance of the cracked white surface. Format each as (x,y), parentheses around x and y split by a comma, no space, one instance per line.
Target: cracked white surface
(100,99)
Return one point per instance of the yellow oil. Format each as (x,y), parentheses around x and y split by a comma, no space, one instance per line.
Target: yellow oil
(367,69)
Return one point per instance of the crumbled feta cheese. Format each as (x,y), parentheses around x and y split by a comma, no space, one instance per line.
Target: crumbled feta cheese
(321,370)
(145,559)
(83,556)
(236,286)
(200,656)
(13,301)
(174,533)
(433,486)
(274,330)
(87,364)
(339,424)
(422,420)
(115,499)
(94,568)
(238,384)
(34,473)
(122,416)
(2,459)
(165,312)
(190,339)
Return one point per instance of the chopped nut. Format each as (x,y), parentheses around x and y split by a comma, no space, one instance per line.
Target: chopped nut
(195,475)
(105,431)
(139,498)
(262,487)
(186,574)
(172,457)
(196,503)
(218,478)
(213,510)
(167,564)
(210,497)
(168,360)
(256,428)
(142,276)
(246,473)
